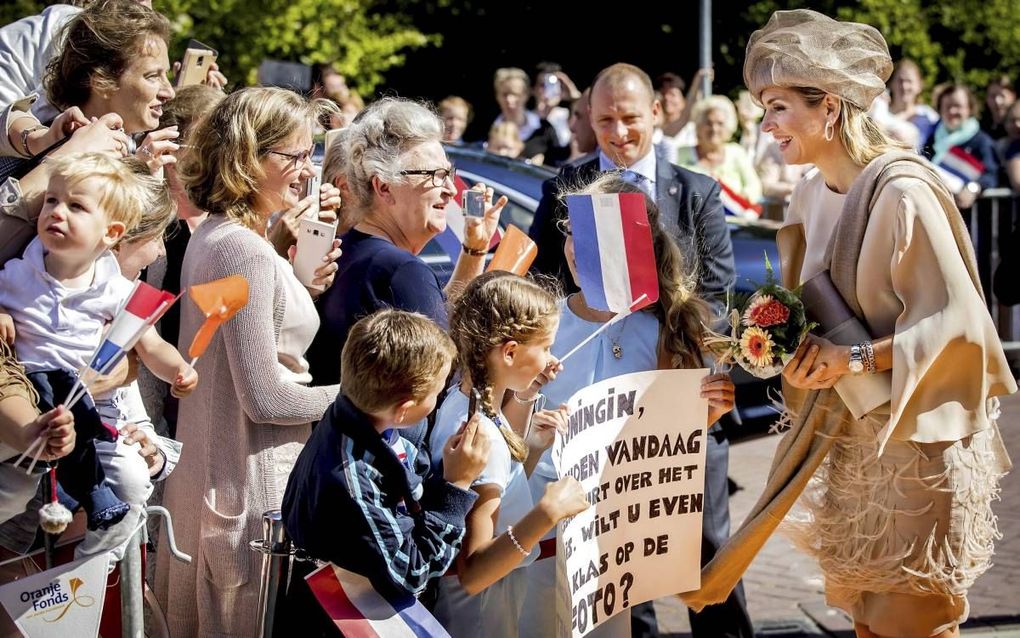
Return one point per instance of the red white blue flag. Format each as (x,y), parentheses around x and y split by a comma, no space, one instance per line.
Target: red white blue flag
(359,611)
(451,239)
(957,168)
(143,309)
(737,205)
(613,250)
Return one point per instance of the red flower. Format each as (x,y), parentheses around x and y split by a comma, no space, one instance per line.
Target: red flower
(770,313)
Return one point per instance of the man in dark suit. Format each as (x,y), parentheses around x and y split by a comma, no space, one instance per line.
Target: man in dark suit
(623,112)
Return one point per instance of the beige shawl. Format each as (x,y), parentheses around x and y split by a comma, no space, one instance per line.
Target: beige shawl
(818,416)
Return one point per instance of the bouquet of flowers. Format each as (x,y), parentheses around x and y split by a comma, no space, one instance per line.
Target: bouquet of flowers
(766,328)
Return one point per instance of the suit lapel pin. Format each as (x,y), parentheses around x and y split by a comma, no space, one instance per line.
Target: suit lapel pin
(673,189)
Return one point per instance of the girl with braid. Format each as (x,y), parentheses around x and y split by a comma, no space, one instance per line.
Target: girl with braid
(503,326)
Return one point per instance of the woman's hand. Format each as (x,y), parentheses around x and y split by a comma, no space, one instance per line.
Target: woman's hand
(283,233)
(213,77)
(544,426)
(325,273)
(719,390)
(146,448)
(62,126)
(158,148)
(478,231)
(101,135)
(818,363)
(329,203)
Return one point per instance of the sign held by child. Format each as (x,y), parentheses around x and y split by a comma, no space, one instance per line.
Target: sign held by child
(636,443)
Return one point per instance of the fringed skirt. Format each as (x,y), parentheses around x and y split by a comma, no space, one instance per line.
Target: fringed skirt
(901,538)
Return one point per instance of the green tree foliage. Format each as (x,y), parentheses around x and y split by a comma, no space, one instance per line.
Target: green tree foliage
(356,35)
(362,41)
(965,40)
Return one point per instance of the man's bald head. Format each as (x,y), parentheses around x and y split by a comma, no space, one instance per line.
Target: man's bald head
(622,76)
(623,113)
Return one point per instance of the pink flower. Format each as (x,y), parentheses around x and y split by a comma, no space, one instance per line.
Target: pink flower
(766,311)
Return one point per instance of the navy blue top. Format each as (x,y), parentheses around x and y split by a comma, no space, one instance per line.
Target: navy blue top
(372,274)
(350,501)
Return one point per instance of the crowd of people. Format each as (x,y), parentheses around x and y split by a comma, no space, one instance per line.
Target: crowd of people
(348,401)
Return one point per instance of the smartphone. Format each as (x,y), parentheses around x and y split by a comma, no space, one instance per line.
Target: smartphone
(312,186)
(551,88)
(315,240)
(474,203)
(195,64)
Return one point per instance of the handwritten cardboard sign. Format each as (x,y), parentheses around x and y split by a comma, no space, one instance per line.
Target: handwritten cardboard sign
(637,445)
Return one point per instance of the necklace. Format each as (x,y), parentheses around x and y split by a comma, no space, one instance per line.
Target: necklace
(615,341)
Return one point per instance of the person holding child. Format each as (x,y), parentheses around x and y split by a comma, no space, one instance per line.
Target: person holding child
(69,286)
(503,326)
(244,430)
(358,496)
(665,335)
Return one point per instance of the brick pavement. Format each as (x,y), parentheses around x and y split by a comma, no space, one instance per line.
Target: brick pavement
(784,587)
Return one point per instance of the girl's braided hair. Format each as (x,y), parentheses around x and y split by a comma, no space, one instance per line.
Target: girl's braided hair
(497,307)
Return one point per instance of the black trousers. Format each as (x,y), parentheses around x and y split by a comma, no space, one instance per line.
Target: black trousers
(730,618)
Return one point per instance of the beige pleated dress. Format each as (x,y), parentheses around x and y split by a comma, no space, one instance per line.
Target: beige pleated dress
(902,531)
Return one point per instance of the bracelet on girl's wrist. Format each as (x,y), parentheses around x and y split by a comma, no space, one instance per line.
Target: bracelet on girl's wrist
(513,539)
(518,398)
(473,251)
(24,139)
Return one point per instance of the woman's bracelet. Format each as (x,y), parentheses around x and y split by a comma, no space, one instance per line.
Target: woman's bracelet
(513,539)
(24,139)
(472,251)
(526,401)
(869,357)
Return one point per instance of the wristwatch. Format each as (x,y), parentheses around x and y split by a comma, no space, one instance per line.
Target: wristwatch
(856,363)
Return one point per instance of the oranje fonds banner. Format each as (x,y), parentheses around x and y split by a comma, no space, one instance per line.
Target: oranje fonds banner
(61,602)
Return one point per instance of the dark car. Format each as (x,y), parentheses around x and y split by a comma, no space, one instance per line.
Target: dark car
(522,184)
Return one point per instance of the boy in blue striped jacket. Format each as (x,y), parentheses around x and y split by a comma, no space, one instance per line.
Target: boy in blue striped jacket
(358,496)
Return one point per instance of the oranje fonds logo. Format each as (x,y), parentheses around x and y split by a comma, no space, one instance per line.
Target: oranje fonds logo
(55,600)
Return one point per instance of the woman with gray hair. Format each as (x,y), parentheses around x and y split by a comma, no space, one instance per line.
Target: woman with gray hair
(399,182)
(895,407)
(716,155)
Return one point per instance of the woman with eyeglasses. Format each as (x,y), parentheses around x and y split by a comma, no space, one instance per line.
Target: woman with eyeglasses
(242,429)
(400,184)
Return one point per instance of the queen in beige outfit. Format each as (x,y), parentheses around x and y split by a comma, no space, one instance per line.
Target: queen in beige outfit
(900,509)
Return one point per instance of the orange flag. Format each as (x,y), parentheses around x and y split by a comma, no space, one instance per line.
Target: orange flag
(219,300)
(515,253)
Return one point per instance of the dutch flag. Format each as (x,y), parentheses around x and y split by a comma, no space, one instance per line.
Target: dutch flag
(450,240)
(737,205)
(359,611)
(613,250)
(957,168)
(143,309)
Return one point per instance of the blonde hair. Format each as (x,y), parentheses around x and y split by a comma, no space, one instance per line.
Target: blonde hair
(719,103)
(497,307)
(392,356)
(862,138)
(188,106)
(504,129)
(509,74)
(680,311)
(124,194)
(159,213)
(222,173)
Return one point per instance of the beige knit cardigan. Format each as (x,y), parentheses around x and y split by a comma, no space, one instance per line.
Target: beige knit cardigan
(230,426)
